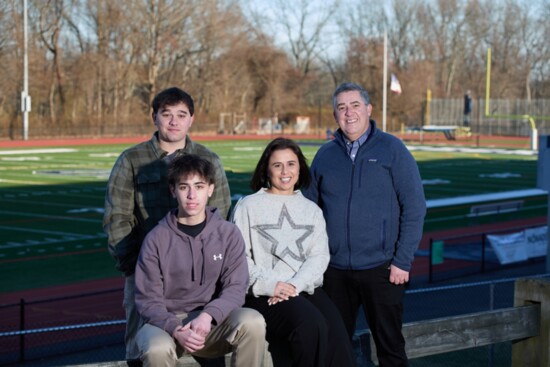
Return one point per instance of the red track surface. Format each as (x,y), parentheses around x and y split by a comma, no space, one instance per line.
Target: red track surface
(495,141)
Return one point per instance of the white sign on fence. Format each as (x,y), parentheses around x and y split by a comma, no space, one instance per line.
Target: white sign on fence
(520,246)
(536,241)
(509,248)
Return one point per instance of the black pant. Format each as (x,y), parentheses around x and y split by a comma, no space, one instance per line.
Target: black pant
(382,303)
(309,327)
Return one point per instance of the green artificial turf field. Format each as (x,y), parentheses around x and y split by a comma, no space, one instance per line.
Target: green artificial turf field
(52,202)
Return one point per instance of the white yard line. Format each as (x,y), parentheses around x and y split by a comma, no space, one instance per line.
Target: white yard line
(61,217)
(450,149)
(26,229)
(37,151)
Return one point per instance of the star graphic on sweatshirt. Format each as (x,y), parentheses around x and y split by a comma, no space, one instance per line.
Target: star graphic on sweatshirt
(285,230)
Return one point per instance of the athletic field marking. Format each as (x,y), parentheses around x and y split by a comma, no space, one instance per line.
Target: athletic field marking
(20,159)
(88,189)
(87,210)
(74,236)
(14,198)
(49,256)
(37,151)
(435,181)
(96,173)
(104,155)
(69,237)
(247,149)
(500,175)
(472,150)
(35,215)
(28,183)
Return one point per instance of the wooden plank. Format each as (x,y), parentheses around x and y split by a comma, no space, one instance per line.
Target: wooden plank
(533,351)
(448,334)
(473,330)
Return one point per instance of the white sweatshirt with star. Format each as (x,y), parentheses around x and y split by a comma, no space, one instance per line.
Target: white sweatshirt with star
(286,240)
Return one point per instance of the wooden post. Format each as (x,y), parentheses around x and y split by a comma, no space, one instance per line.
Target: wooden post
(534,351)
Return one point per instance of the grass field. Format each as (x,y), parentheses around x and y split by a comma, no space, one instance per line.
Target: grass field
(52,201)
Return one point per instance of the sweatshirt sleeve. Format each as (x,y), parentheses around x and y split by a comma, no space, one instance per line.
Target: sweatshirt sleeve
(119,221)
(410,194)
(221,197)
(262,280)
(233,279)
(310,274)
(149,289)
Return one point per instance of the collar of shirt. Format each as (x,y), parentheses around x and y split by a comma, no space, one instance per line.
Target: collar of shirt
(353,146)
(162,154)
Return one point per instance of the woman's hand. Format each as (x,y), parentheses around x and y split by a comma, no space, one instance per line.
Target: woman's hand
(283,291)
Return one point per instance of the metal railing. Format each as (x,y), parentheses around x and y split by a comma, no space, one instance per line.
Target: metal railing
(473,240)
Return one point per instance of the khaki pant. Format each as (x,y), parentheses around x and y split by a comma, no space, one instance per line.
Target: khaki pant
(242,332)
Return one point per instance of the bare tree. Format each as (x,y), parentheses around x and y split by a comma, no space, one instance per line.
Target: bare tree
(97,63)
(11,65)
(304,25)
(505,39)
(50,24)
(219,28)
(445,27)
(162,33)
(541,68)
(110,81)
(534,45)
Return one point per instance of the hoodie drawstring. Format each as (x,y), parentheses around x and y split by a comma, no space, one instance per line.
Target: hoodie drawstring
(192,260)
(203,263)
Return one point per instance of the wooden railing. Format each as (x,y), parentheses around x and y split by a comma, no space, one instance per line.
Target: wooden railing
(527,324)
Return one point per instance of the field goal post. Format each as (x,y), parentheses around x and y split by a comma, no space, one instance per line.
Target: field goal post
(232,123)
(529,118)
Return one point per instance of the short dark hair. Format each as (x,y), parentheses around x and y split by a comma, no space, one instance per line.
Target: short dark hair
(348,87)
(188,164)
(171,97)
(260,179)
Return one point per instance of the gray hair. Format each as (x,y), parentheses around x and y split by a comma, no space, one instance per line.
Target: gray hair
(347,87)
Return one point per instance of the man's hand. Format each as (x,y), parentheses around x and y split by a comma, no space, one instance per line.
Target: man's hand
(188,339)
(398,276)
(202,324)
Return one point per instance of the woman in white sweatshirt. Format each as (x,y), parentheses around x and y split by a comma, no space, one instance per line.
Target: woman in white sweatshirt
(287,253)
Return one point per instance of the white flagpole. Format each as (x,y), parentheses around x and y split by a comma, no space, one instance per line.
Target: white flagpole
(25,99)
(385,82)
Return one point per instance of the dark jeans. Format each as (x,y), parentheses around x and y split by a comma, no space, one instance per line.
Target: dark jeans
(308,327)
(382,303)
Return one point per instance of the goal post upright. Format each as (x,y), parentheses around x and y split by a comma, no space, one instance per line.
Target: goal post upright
(534,133)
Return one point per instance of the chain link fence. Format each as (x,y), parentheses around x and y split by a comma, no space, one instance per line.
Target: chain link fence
(451,112)
(63,326)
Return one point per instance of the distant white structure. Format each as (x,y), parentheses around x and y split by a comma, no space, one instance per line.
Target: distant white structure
(302,125)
